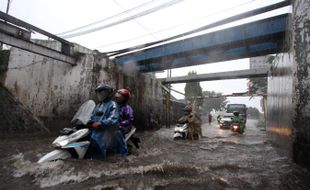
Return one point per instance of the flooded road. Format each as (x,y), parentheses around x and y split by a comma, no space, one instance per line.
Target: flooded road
(220,160)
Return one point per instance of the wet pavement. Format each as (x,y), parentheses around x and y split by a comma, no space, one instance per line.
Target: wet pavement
(220,160)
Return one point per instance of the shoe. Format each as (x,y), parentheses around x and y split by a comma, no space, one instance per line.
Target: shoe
(135,141)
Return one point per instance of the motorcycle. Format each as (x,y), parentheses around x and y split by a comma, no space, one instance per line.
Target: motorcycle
(71,142)
(180,131)
(235,127)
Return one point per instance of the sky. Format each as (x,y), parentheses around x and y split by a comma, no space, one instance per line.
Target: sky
(178,16)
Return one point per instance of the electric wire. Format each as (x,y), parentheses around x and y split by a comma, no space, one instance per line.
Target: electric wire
(108,18)
(140,24)
(176,26)
(140,14)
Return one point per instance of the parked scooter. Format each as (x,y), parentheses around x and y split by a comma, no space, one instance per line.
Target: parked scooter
(180,131)
(71,142)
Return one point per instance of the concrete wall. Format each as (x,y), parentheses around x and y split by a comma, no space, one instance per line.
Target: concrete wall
(301,122)
(288,122)
(49,88)
(54,90)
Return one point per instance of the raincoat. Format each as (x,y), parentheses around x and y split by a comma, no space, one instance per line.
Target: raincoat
(107,137)
(126,118)
(194,123)
(239,119)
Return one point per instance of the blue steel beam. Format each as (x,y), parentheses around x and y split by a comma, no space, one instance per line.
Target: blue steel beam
(248,40)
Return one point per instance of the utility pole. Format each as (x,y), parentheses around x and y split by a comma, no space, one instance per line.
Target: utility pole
(168,102)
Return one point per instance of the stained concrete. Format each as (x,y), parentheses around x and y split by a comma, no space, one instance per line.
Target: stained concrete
(301,122)
(53,90)
(15,119)
(288,121)
(4,60)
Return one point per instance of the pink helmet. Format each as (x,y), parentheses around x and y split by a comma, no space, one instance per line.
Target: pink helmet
(123,92)
(188,108)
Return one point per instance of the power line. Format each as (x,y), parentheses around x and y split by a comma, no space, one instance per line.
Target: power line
(108,18)
(176,26)
(141,25)
(143,13)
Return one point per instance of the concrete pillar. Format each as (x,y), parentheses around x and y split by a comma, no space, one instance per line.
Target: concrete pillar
(288,116)
(301,44)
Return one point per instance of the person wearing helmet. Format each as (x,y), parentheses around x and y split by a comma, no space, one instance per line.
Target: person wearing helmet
(104,122)
(193,121)
(126,114)
(238,119)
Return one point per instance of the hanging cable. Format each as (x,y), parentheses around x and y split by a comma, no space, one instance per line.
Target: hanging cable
(143,13)
(108,18)
(176,26)
(141,25)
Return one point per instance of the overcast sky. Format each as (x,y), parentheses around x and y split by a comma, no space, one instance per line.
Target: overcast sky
(178,16)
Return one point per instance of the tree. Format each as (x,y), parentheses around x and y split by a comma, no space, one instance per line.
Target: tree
(253,112)
(193,89)
(216,104)
(259,85)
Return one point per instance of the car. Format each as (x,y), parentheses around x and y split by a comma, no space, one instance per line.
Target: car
(226,121)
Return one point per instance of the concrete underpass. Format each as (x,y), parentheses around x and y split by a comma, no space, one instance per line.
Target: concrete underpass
(43,83)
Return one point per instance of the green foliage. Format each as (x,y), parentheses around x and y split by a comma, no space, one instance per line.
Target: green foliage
(259,85)
(253,112)
(193,89)
(213,103)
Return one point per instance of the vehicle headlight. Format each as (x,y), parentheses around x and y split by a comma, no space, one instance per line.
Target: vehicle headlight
(235,127)
(221,122)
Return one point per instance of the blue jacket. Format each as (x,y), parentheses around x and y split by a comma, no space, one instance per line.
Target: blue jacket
(107,137)
(107,113)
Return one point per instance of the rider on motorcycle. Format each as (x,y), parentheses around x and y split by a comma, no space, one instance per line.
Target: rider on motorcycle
(194,122)
(237,118)
(126,114)
(105,134)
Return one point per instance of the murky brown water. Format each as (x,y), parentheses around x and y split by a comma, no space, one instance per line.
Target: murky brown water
(221,160)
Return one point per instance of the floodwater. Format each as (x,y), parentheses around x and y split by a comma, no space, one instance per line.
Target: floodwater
(220,160)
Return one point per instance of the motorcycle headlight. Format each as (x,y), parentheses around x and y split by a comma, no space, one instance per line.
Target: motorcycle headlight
(222,122)
(235,127)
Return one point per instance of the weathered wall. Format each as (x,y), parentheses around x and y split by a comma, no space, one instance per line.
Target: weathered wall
(54,90)
(15,119)
(301,27)
(48,87)
(288,122)
(4,61)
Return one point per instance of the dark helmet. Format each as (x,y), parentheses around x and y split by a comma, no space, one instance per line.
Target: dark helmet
(123,92)
(236,113)
(104,87)
(188,108)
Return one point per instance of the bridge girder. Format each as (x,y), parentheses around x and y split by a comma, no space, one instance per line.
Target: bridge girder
(257,38)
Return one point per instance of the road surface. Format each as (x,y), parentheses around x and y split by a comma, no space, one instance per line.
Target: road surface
(220,160)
